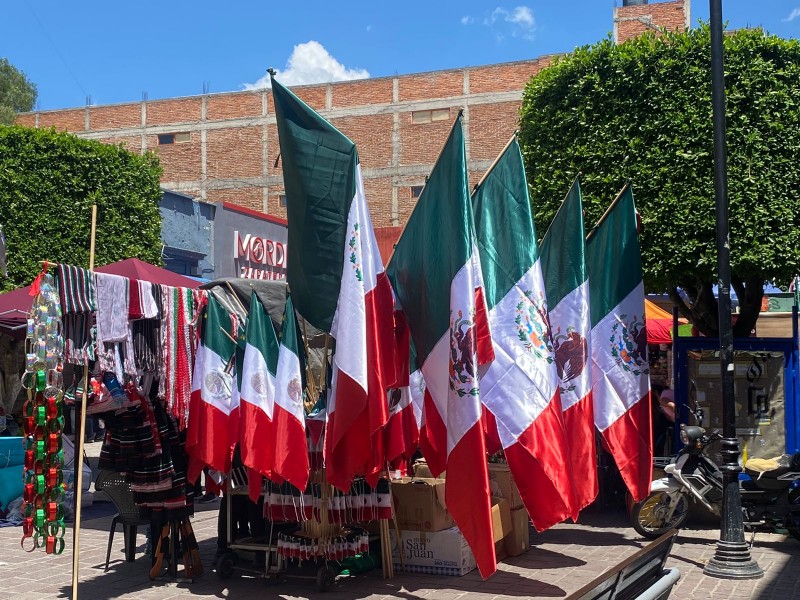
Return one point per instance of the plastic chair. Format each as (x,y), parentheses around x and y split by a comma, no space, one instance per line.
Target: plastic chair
(119,491)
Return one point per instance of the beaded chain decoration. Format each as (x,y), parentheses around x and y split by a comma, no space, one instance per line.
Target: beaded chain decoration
(43,525)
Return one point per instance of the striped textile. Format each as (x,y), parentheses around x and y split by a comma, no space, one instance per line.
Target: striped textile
(76,289)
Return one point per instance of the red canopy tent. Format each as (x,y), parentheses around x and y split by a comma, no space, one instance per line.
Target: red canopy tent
(15,305)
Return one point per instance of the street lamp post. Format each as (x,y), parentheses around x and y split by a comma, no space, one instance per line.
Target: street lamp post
(732,558)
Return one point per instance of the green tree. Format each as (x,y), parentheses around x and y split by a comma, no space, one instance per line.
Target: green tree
(641,111)
(17,93)
(48,183)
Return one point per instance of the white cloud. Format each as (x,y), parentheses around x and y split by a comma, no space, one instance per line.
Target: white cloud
(792,16)
(517,22)
(310,63)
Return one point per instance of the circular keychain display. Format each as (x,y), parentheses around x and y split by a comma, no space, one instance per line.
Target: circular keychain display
(43,422)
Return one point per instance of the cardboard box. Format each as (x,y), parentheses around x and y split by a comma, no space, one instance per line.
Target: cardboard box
(421,469)
(519,540)
(432,553)
(502,485)
(420,504)
(501,519)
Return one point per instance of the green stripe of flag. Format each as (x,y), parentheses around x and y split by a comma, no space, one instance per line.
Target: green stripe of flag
(612,257)
(261,334)
(563,263)
(436,243)
(504,226)
(319,167)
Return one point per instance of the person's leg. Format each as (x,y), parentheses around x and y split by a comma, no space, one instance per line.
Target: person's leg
(222,527)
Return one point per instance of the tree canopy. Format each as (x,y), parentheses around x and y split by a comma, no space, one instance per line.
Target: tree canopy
(48,183)
(641,111)
(17,93)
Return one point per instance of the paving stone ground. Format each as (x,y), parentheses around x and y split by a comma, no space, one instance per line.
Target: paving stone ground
(559,562)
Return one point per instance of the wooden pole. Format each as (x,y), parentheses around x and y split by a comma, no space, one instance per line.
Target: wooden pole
(79,439)
(608,210)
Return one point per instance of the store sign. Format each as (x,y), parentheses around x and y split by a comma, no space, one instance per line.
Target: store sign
(259,257)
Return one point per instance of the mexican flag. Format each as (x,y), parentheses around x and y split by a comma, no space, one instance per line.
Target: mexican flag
(620,371)
(436,275)
(405,403)
(291,455)
(213,427)
(257,396)
(521,387)
(567,287)
(338,284)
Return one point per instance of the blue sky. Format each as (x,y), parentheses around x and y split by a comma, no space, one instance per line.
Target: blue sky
(114,51)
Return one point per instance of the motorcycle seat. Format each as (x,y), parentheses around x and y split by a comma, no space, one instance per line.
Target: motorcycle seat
(765,471)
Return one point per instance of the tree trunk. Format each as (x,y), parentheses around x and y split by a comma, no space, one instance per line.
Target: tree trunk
(750,293)
(702,308)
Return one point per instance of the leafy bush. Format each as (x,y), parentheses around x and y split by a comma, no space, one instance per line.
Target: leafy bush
(641,111)
(48,183)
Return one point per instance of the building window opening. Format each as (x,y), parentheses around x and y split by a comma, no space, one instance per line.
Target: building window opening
(282,200)
(165,139)
(419,117)
(416,191)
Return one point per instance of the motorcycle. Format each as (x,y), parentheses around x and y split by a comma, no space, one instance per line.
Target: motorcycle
(770,496)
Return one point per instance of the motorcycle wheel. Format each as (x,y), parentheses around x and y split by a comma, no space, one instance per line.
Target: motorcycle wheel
(648,517)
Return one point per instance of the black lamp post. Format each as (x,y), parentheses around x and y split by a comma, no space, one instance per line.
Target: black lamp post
(732,557)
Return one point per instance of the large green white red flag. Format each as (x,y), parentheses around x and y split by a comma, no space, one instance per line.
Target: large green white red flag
(289,426)
(620,371)
(257,396)
(401,433)
(213,428)
(567,286)
(521,386)
(435,273)
(338,284)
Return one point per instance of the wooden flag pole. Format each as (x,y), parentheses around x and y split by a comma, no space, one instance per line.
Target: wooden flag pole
(79,439)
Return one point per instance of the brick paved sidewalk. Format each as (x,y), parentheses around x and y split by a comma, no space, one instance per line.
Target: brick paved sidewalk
(560,562)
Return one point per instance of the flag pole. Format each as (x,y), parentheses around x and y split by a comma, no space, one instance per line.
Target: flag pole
(608,211)
(76,533)
(496,160)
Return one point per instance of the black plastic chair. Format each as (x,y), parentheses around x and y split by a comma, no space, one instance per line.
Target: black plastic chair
(119,491)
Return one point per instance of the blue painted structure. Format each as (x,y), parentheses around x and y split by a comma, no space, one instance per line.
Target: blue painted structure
(788,346)
(201,239)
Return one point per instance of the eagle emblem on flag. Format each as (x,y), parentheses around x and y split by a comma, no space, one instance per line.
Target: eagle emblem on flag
(533,326)
(463,356)
(219,385)
(572,353)
(629,344)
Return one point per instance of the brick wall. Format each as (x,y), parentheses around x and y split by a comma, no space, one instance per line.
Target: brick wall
(233,146)
(633,21)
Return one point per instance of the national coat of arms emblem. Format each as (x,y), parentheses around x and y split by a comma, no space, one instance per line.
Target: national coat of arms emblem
(629,344)
(463,355)
(533,326)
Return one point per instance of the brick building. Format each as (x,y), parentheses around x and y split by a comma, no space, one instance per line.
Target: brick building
(223,147)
